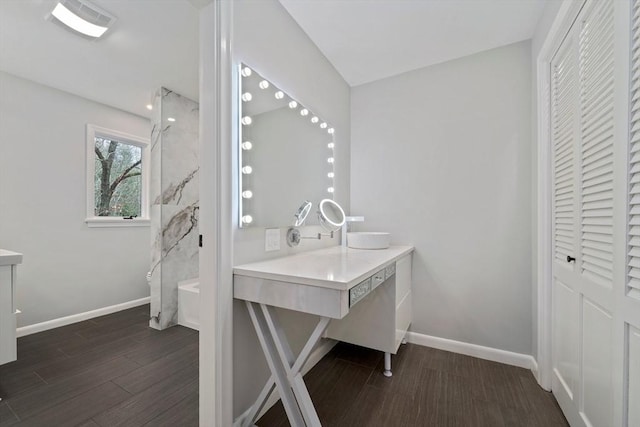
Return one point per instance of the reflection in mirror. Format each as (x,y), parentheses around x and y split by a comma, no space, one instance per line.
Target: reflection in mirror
(286,154)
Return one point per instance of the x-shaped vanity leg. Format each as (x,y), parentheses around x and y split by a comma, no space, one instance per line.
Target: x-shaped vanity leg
(285,369)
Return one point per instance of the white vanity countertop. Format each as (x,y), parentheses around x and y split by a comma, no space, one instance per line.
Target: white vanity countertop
(9,257)
(335,267)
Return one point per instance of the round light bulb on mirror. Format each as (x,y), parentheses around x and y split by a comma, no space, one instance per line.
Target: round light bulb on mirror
(323,125)
(246,97)
(264,84)
(330,160)
(246,120)
(279,94)
(331,145)
(247,170)
(330,175)
(314,119)
(293,104)
(246,72)
(330,131)
(247,145)
(247,194)
(330,190)
(304,112)
(247,219)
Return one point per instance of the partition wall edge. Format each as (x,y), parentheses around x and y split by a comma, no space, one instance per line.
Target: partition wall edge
(216,214)
(561,25)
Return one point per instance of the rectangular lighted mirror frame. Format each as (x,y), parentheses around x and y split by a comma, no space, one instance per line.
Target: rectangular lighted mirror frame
(286,154)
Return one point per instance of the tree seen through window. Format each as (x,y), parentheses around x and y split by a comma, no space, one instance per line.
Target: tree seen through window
(118,180)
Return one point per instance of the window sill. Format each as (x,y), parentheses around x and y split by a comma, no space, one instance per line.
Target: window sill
(96,222)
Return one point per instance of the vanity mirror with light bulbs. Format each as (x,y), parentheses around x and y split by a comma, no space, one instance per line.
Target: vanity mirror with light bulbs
(286,154)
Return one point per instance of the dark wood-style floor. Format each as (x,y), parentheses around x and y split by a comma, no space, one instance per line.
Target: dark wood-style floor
(429,387)
(108,371)
(116,371)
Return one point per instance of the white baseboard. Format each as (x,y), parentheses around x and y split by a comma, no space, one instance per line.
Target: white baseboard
(534,369)
(325,347)
(74,318)
(502,356)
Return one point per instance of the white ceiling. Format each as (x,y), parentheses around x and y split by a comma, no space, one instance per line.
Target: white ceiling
(367,40)
(152,44)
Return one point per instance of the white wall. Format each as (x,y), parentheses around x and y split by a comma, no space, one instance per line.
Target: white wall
(441,159)
(68,268)
(266,38)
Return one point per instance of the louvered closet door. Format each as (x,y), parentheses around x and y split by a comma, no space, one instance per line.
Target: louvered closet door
(628,303)
(565,129)
(596,217)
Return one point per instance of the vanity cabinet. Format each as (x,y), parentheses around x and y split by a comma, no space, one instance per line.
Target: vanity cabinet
(362,296)
(381,319)
(8,276)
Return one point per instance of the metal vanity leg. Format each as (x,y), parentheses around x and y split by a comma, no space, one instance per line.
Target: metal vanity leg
(387,365)
(286,372)
(252,415)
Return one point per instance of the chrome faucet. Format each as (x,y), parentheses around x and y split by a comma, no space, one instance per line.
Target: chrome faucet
(345,227)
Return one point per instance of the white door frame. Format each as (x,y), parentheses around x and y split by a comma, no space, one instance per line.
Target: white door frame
(564,19)
(216,220)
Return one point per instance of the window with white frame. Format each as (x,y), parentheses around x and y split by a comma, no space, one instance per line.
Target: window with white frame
(117,178)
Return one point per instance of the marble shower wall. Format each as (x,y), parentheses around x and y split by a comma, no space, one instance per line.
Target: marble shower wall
(174,195)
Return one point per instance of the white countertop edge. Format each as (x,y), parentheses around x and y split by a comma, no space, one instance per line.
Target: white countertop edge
(10,257)
(256,270)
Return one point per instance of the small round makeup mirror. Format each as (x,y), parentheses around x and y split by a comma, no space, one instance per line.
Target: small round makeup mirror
(331,215)
(302,213)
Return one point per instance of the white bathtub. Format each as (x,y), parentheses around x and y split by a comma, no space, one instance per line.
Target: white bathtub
(189,303)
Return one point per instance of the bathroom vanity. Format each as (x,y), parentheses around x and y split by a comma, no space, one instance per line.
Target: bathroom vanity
(8,277)
(362,297)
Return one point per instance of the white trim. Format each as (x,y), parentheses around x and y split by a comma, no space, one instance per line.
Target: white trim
(502,356)
(104,221)
(534,369)
(564,19)
(321,351)
(91,219)
(75,318)
(217,222)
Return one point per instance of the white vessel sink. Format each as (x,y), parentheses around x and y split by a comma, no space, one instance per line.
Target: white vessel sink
(368,240)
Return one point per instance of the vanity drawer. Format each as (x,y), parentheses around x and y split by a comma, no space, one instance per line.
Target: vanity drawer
(359,291)
(377,279)
(389,270)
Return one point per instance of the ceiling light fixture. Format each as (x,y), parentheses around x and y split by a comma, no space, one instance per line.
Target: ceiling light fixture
(83,17)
